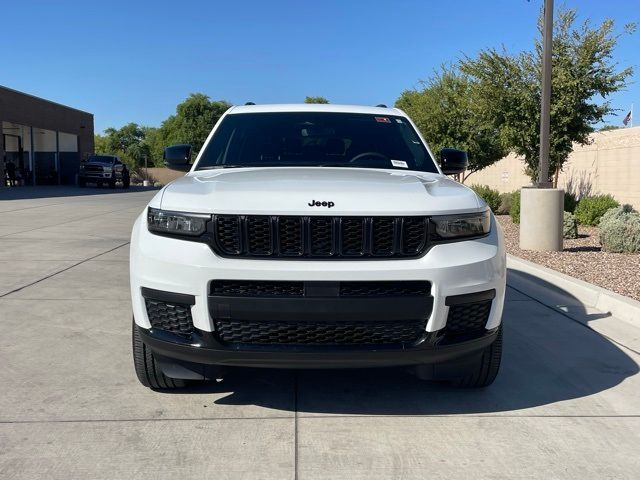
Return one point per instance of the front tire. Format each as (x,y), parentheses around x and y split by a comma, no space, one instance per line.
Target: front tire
(487,368)
(147,368)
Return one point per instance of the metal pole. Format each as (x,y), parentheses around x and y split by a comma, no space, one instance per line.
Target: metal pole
(545,120)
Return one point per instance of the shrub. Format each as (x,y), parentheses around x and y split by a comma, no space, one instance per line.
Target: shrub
(570,202)
(505,204)
(489,195)
(620,230)
(590,209)
(569,226)
(515,207)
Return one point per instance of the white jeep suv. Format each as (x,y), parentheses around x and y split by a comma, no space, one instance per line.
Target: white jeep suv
(316,236)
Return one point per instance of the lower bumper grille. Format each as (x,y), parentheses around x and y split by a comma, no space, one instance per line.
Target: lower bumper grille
(256,312)
(256,288)
(170,316)
(468,318)
(320,333)
(261,288)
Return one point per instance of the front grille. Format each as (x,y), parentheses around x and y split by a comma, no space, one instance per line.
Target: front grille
(261,236)
(467,318)
(320,333)
(171,317)
(93,168)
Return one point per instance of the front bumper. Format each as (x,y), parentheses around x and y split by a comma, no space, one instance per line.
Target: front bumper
(202,348)
(188,268)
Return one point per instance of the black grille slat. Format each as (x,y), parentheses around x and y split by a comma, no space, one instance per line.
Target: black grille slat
(382,236)
(261,236)
(320,333)
(414,235)
(352,236)
(468,318)
(171,317)
(228,234)
(321,231)
(290,241)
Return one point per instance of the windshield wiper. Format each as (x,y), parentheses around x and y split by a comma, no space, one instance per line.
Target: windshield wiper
(251,165)
(213,167)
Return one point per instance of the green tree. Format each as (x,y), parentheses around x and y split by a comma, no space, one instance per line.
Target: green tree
(155,143)
(101,144)
(127,142)
(192,122)
(608,127)
(584,75)
(448,114)
(315,100)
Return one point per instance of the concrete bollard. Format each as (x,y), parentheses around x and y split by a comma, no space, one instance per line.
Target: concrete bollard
(541,217)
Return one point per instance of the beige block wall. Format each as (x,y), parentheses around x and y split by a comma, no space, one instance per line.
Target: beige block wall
(609,164)
(164,175)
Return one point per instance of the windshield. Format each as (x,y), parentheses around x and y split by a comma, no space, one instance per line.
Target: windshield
(100,159)
(316,139)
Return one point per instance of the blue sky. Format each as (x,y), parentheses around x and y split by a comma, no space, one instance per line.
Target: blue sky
(134,61)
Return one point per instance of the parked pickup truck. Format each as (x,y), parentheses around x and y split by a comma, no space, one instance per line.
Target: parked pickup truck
(316,236)
(103,169)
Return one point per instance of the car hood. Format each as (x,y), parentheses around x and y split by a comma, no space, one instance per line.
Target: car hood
(290,191)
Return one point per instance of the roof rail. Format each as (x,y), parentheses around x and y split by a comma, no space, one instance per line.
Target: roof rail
(381,105)
(249,103)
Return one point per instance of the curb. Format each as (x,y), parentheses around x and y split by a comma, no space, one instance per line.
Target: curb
(563,289)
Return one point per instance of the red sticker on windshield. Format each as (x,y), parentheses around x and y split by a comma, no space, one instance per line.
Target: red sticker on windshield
(382,119)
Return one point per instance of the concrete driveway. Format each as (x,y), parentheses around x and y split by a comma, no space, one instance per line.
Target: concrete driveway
(565,404)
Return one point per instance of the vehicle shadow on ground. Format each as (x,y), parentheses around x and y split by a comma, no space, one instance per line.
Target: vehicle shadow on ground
(548,358)
(57,191)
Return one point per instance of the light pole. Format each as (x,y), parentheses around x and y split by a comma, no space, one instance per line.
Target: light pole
(545,110)
(541,207)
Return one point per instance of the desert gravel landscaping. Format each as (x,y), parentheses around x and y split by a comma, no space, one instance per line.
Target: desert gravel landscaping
(582,258)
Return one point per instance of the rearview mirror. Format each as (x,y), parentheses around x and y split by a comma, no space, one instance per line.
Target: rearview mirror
(178,157)
(453,161)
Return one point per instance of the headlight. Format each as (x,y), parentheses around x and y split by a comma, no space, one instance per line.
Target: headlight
(176,223)
(451,227)
(107,169)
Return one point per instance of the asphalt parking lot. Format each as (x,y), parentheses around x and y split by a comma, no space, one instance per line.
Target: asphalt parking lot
(565,404)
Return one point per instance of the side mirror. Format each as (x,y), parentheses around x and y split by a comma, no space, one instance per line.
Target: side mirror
(178,157)
(453,161)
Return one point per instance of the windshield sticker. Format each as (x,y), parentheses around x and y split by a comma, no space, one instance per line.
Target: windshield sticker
(399,163)
(398,120)
(382,119)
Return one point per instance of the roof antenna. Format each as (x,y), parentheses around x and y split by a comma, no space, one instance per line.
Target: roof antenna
(249,103)
(381,105)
